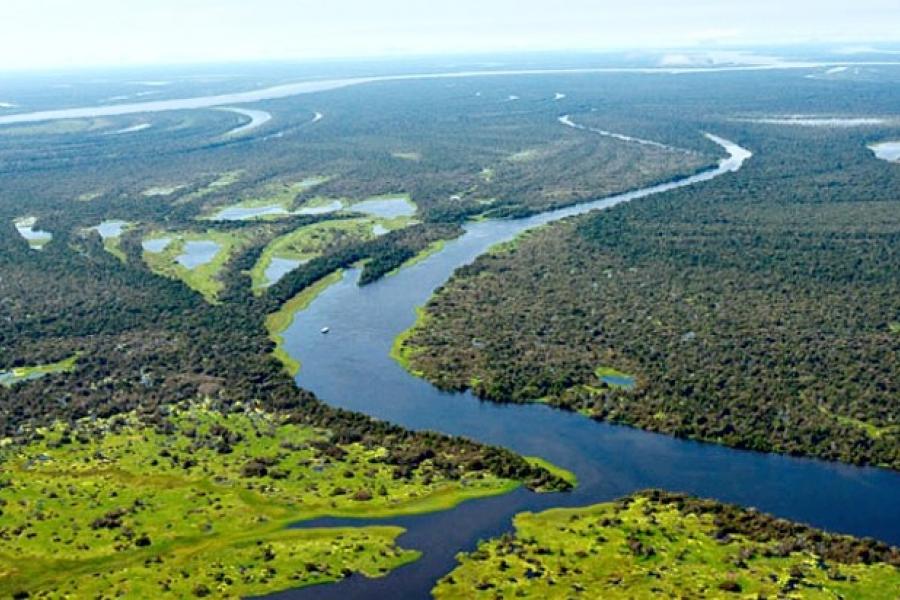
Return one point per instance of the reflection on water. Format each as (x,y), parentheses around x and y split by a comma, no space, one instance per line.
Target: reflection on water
(386,208)
(197,253)
(156,245)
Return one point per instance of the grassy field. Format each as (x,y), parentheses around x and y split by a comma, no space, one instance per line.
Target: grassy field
(204,278)
(312,241)
(278,322)
(402,351)
(198,503)
(644,547)
(274,194)
(33,372)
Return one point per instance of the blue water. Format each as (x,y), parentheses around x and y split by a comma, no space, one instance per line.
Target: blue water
(622,381)
(386,208)
(278,268)
(351,369)
(156,245)
(242,213)
(197,253)
(110,229)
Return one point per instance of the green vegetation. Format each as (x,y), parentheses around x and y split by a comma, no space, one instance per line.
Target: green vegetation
(748,315)
(283,195)
(558,471)
(313,241)
(203,278)
(19,374)
(278,322)
(402,350)
(200,500)
(665,545)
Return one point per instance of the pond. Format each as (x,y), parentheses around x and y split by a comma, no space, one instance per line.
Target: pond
(197,253)
(156,245)
(889,151)
(388,207)
(36,238)
(110,229)
(279,267)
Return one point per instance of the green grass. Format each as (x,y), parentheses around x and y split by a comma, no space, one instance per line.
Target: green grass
(402,351)
(563,474)
(276,194)
(894,327)
(311,241)
(278,322)
(34,372)
(204,278)
(649,549)
(873,431)
(118,506)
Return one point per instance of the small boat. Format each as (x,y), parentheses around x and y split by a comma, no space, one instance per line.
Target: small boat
(325,330)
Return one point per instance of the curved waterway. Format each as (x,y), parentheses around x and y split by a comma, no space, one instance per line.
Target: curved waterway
(323,85)
(351,368)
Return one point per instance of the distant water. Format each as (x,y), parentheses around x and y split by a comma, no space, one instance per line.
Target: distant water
(889,151)
(278,268)
(197,253)
(386,208)
(156,245)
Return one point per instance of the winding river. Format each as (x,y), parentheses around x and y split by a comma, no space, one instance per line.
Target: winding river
(351,368)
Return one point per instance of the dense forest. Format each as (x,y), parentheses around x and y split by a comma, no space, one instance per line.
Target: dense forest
(660,544)
(758,310)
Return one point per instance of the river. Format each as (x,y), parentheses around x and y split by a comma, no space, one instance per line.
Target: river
(351,368)
(323,85)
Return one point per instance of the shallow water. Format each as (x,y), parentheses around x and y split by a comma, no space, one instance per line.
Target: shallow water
(36,238)
(258,118)
(386,208)
(110,229)
(156,245)
(242,213)
(889,151)
(321,210)
(197,253)
(278,268)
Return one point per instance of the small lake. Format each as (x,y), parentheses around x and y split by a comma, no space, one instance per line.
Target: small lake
(36,238)
(197,253)
(110,229)
(156,245)
(620,381)
(378,229)
(889,151)
(243,213)
(386,208)
(279,267)
(331,207)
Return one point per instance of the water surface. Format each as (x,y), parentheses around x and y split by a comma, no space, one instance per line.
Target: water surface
(110,229)
(386,208)
(197,253)
(889,151)
(156,245)
(278,268)
(351,369)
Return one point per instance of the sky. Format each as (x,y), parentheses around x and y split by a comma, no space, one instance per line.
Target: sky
(36,34)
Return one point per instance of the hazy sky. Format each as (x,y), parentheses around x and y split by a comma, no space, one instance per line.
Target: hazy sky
(60,33)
